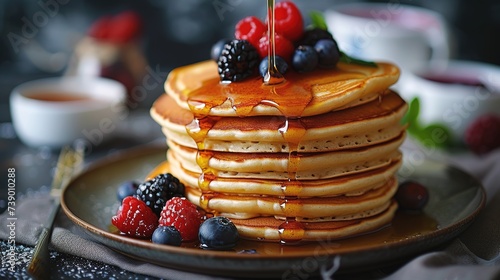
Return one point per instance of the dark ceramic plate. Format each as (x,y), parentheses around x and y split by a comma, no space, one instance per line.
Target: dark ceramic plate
(455,200)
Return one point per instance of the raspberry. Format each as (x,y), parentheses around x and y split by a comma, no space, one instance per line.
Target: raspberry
(158,190)
(250,29)
(283,48)
(135,219)
(483,134)
(288,20)
(183,215)
(237,61)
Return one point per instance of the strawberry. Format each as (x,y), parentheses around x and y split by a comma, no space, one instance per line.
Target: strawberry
(135,218)
(288,20)
(183,215)
(283,47)
(251,29)
(483,134)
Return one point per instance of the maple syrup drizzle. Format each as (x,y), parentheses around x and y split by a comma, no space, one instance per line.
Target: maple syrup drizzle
(289,98)
(291,231)
(198,130)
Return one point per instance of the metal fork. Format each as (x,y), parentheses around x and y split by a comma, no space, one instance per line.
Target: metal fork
(68,164)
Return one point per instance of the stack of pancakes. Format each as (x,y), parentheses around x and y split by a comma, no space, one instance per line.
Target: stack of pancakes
(313,157)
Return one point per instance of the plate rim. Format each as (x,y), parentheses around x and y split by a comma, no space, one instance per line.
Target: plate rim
(446,232)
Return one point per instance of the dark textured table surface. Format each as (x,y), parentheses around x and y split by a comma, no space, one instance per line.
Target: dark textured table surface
(34,169)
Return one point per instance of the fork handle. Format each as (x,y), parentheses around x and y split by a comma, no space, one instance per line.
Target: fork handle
(39,267)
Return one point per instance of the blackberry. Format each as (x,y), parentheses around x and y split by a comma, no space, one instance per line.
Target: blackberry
(158,190)
(312,36)
(238,60)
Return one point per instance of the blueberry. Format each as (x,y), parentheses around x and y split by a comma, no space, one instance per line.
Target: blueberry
(218,233)
(127,188)
(304,59)
(167,235)
(217,48)
(328,52)
(280,64)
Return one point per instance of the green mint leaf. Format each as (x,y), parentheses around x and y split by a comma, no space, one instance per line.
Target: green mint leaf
(411,119)
(411,116)
(318,20)
(435,135)
(351,60)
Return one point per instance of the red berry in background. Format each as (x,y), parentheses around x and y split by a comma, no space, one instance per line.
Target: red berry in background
(412,196)
(126,27)
(251,29)
(183,215)
(135,218)
(288,20)
(100,28)
(483,134)
(283,47)
(121,28)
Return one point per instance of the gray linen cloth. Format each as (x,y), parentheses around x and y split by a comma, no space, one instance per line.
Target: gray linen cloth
(475,254)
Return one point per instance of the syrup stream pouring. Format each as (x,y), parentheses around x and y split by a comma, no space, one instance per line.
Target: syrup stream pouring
(273,76)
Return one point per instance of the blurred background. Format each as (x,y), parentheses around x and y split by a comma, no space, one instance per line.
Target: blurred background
(38,38)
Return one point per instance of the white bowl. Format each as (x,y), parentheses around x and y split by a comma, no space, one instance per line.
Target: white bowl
(454,105)
(40,118)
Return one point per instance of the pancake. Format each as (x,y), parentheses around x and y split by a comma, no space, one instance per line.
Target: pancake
(348,221)
(309,166)
(197,88)
(271,229)
(371,123)
(313,157)
(332,208)
(349,185)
